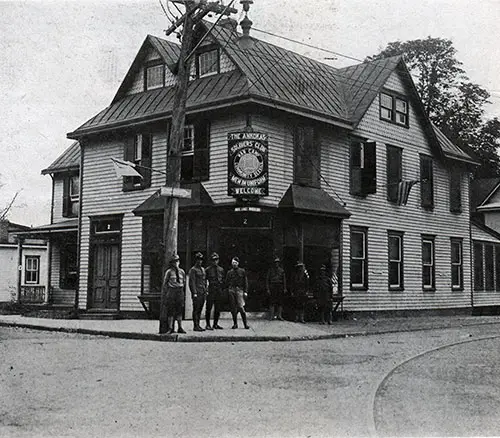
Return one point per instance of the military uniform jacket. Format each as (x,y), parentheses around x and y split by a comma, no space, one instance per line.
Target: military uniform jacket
(237,278)
(197,280)
(215,277)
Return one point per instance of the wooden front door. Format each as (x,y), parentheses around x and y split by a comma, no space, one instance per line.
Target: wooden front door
(105,276)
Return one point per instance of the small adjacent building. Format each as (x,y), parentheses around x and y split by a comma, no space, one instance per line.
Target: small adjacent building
(283,156)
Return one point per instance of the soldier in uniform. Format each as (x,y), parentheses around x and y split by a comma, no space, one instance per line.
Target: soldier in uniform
(299,288)
(237,284)
(276,287)
(215,277)
(198,286)
(174,281)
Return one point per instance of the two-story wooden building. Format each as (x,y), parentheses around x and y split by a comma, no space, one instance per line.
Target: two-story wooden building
(284,156)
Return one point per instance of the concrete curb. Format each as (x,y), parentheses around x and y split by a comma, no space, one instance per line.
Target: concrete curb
(222,338)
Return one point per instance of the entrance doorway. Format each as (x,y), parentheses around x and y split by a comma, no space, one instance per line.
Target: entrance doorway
(105,276)
(254,249)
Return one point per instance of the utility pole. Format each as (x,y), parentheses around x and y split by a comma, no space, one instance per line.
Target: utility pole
(195,10)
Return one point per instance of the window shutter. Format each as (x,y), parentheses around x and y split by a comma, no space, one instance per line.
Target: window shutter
(356,170)
(128,155)
(147,141)
(426,182)
(369,177)
(66,200)
(201,159)
(455,192)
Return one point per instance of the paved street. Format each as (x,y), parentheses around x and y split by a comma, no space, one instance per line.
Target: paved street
(441,382)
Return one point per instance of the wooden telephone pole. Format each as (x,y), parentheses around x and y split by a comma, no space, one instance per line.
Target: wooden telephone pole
(195,10)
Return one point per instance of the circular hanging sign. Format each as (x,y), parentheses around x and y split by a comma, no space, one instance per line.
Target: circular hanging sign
(247,164)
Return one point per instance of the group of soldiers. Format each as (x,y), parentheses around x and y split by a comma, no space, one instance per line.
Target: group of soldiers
(208,288)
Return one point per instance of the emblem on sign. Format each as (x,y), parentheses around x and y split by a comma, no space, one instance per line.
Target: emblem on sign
(247,164)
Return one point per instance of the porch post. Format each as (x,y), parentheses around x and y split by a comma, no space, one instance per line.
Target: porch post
(19,267)
(49,254)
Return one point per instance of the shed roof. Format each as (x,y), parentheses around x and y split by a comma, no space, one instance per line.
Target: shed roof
(68,160)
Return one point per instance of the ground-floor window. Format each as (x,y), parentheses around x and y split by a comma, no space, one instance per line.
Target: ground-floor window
(32,270)
(486,266)
(359,258)
(457,276)
(396,275)
(69,261)
(428,263)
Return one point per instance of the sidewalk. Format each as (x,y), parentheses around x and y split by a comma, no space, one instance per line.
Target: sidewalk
(260,329)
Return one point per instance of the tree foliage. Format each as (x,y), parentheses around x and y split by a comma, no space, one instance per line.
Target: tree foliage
(451,100)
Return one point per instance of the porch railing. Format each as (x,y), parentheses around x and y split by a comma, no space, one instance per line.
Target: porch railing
(32,294)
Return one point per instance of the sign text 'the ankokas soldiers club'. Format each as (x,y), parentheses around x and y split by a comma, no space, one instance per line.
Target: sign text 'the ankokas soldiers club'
(247,164)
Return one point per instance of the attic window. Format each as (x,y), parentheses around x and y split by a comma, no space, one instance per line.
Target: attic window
(394,109)
(207,63)
(154,76)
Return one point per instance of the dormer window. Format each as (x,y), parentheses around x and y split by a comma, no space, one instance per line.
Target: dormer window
(154,76)
(394,109)
(207,63)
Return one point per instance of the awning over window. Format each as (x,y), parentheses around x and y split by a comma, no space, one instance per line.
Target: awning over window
(155,204)
(310,200)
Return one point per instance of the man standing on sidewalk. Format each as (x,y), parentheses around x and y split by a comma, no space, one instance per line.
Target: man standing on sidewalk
(276,287)
(215,277)
(198,286)
(237,284)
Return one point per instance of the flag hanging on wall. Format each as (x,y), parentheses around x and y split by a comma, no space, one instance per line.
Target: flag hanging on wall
(124,168)
(404,188)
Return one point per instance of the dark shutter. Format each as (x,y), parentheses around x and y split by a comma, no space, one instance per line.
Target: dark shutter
(426,182)
(455,192)
(356,170)
(478,267)
(147,141)
(393,172)
(128,155)
(66,211)
(370,169)
(201,159)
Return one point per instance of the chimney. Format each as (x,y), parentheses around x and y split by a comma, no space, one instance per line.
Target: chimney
(229,23)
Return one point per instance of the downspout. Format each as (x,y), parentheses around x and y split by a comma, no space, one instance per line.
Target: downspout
(471,248)
(79,231)
(19,267)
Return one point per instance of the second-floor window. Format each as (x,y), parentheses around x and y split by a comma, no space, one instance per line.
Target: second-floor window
(207,63)
(307,159)
(138,151)
(394,171)
(71,195)
(195,152)
(426,182)
(455,192)
(154,76)
(363,168)
(394,109)
(32,270)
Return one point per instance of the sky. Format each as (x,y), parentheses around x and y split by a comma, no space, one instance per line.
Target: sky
(63,61)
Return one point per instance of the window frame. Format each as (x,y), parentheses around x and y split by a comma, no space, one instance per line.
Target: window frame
(364,259)
(426,239)
(399,235)
(68,278)
(393,110)
(191,169)
(457,265)
(151,65)
(306,156)
(394,180)
(426,182)
(202,52)
(478,257)
(139,142)
(29,271)
(71,201)
(362,168)
(455,191)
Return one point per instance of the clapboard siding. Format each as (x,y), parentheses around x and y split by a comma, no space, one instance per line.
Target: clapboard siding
(102,194)
(380,216)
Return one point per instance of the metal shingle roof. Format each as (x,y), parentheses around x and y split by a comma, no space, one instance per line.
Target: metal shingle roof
(68,160)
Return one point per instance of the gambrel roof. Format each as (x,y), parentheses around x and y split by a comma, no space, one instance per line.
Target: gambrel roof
(268,75)
(67,161)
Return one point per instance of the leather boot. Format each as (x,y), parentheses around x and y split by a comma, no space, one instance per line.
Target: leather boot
(280,311)
(271,313)
(235,321)
(244,318)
